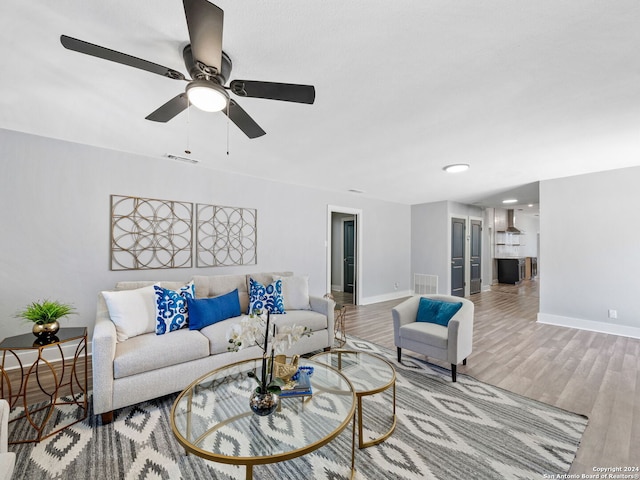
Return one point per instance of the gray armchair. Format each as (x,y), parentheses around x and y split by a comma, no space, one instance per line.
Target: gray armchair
(452,343)
(7,459)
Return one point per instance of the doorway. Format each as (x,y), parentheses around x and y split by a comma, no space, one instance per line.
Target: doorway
(475,256)
(344,254)
(457,256)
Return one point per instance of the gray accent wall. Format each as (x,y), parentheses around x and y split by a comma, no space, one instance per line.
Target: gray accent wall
(55,219)
(589,251)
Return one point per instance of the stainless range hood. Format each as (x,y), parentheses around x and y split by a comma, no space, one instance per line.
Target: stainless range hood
(511,228)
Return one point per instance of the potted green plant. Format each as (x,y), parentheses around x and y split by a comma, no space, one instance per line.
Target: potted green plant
(44,315)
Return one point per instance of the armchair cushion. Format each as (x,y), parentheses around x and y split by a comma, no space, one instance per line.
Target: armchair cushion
(428,333)
(436,311)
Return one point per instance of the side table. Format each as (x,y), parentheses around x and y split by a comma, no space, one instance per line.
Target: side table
(340,334)
(46,376)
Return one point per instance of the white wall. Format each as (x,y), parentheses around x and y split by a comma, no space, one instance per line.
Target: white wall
(429,240)
(55,219)
(589,251)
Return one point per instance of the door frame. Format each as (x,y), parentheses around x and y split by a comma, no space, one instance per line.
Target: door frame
(467,250)
(357,213)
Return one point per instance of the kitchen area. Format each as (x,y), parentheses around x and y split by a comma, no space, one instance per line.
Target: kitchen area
(516,245)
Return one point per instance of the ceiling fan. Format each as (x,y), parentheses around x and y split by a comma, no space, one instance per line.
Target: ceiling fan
(209,68)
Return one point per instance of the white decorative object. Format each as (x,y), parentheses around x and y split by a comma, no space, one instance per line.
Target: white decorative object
(295,292)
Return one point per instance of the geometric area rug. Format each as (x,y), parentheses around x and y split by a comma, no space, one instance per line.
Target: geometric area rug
(444,430)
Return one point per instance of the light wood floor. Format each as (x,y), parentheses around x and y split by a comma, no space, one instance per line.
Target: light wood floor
(594,374)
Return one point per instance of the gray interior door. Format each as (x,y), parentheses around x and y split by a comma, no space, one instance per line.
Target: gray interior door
(475,257)
(349,255)
(457,256)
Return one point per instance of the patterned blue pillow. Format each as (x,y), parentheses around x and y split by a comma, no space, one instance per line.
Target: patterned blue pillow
(267,298)
(171,308)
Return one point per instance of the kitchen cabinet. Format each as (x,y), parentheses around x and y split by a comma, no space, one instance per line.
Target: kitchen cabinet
(511,270)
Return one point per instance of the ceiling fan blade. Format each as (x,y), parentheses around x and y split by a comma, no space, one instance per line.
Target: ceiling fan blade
(204,21)
(288,92)
(170,109)
(243,121)
(108,54)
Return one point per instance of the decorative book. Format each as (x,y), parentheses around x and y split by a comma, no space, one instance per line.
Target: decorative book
(300,384)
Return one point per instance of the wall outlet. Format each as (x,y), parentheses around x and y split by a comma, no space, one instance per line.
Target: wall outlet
(613,313)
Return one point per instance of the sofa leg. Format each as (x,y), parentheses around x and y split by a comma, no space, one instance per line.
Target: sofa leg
(327,349)
(464,362)
(453,372)
(107,417)
(399,355)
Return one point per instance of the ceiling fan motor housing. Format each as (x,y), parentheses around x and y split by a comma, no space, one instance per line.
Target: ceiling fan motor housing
(199,71)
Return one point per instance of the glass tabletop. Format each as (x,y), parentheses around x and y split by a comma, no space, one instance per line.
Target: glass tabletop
(212,419)
(28,340)
(367,373)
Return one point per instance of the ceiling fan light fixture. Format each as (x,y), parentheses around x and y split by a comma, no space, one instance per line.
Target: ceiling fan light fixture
(456,168)
(207,95)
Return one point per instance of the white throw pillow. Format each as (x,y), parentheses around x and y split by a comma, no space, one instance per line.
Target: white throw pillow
(295,292)
(132,311)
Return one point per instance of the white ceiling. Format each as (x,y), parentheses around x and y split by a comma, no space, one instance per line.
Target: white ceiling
(522,91)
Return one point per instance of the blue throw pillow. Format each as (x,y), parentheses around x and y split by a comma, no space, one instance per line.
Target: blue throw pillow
(447,311)
(265,298)
(171,308)
(207,311)
(437,311)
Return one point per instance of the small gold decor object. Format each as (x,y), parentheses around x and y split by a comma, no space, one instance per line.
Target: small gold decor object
(284,370)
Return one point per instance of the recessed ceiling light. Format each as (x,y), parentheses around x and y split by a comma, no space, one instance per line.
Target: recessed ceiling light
(510,200)
(530,205)
(456,168)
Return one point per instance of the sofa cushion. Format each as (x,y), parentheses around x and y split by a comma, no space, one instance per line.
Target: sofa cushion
(427,333)
(207,311)
(217,334)
(215,285)
(132,311)
(265,297)
(314,321)
(150,351)
(171,308)
(295,292)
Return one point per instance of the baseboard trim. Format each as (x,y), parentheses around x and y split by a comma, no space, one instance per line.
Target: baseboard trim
(385,297)
(590,325)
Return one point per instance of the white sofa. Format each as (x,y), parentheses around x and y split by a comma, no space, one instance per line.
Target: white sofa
(147,366)
(7,459)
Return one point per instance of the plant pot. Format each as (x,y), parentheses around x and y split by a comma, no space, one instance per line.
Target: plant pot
(263,403)
(45,329)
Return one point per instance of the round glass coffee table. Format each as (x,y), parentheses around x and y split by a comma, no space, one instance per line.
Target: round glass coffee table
(215,408)
(369,374)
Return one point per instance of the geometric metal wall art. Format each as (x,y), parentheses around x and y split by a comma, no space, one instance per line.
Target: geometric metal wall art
(150,234)
(225,236)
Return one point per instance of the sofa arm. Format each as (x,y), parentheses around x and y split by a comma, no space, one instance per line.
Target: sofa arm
(326,307)
(7,458)
(103,354)
(404,313)
(461,331)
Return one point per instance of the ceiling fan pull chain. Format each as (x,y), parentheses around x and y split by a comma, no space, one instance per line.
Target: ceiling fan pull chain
(228,128)
(188,150)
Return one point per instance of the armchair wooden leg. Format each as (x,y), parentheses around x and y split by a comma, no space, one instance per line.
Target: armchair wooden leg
(453,372)
(464,362)
(107,417)
(399,355)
